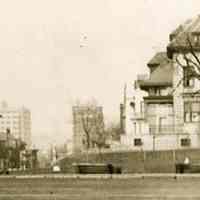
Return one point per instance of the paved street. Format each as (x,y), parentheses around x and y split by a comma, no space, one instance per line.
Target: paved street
(99,189)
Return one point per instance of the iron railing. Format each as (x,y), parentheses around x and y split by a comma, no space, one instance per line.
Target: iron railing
(165,129)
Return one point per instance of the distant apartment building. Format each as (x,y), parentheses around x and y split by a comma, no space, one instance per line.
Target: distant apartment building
(85,117)
(170,116)
(18,121)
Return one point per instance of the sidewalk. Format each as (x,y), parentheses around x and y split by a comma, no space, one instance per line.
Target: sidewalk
(101,176)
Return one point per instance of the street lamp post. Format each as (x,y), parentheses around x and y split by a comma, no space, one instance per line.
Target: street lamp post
(8,152)
(154,142)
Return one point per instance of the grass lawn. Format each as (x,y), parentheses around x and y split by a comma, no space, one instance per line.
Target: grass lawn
(99,189)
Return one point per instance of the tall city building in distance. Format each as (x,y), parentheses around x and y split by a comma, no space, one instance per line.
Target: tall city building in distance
(18,121)
(92,116)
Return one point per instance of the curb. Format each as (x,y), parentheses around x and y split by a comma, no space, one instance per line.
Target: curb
(100,176)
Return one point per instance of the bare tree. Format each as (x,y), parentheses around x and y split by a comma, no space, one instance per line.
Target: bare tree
(114,131)
(188,59)
(92,122)
(99,137)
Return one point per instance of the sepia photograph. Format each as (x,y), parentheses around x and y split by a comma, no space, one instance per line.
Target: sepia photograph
(100,100)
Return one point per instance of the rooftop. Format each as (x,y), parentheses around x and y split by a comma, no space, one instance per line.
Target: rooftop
(159,58)
(190,30)
(161,76)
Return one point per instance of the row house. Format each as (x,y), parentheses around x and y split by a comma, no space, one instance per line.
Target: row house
(169,112)
(133,116)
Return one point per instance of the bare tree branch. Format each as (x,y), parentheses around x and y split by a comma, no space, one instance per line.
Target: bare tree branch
(179,63)
(192,50)
(92,124)
(178,84)
(192,65)
(188,60)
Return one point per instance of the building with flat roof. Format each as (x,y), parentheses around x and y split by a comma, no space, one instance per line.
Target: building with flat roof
(18,121)
(86,117)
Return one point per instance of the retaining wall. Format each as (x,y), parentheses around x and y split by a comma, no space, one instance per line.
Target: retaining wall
(136,162)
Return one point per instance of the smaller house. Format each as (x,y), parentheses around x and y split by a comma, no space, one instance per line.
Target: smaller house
(150,113)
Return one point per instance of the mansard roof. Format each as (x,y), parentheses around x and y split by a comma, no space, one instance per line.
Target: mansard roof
(158,59)
(162,76)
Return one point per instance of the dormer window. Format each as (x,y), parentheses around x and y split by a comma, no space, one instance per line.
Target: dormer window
(196,38)
(187,78)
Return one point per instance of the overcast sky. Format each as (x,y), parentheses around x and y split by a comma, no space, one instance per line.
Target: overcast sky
(55,51)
